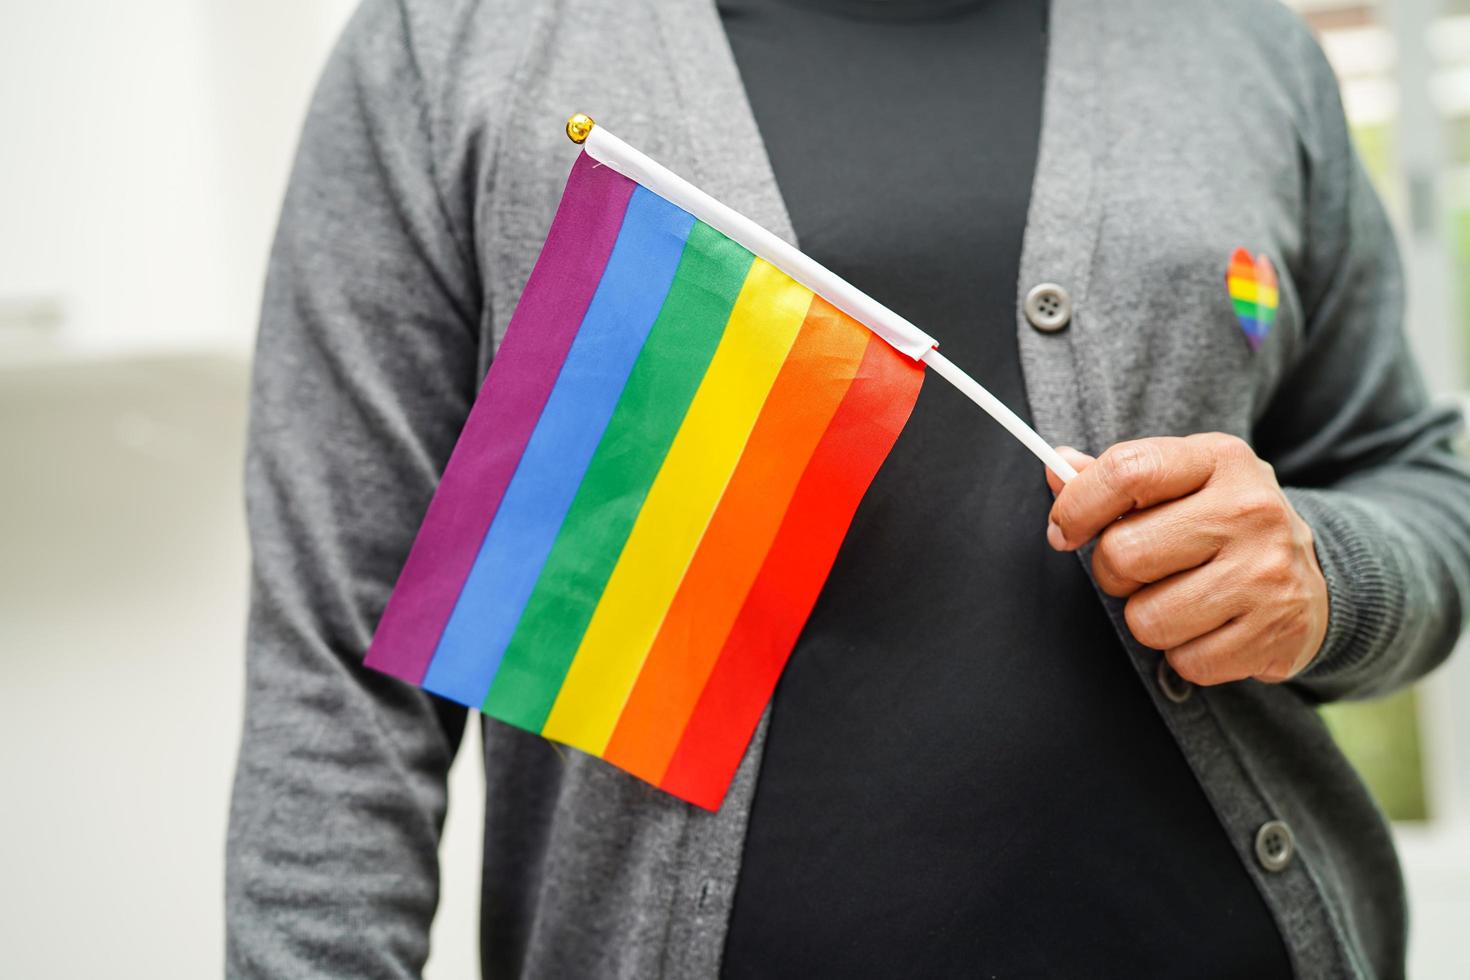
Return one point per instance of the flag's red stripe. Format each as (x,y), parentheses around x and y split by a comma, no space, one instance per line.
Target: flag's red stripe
(1242,264)
(811,385)
(862,432)
(548,316)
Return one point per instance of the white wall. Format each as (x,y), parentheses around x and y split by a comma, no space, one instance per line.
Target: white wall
(144,148)
(122,601)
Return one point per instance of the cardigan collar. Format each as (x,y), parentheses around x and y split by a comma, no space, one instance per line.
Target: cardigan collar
(728,159)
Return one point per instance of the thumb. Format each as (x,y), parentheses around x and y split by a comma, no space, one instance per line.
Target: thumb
(1080,461)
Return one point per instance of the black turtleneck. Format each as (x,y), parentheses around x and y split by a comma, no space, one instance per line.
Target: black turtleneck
(963,775)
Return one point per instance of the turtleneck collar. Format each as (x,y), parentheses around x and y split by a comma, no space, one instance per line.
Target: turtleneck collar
(897,10)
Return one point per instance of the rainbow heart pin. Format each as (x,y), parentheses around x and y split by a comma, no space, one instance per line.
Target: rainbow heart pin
(1253,293)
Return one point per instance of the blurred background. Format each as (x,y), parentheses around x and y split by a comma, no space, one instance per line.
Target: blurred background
(144,149)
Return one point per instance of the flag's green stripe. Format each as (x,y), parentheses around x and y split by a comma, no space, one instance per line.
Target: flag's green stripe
(663,381)
(1250,308)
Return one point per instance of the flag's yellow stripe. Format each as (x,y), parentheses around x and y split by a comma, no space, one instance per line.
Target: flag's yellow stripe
(762,328)
(1255,292)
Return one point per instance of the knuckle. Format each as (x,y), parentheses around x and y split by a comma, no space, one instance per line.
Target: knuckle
(1278,570)
(1102,569)
(1145,622)
(1130,467)
(1291,627)
(1210,668)
(1227,447)
(1064,513)
(1302,538)
(1195,668)
(1119,550)
(1109,578)
(1128,544)
(1256,507)
(1277,671)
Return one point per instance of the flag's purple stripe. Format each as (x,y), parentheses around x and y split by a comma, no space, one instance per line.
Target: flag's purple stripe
(627,301)
(502,419)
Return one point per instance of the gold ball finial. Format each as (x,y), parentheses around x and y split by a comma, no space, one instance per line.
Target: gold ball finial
(579,126)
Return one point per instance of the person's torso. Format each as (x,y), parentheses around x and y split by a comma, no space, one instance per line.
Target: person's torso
(1156,163)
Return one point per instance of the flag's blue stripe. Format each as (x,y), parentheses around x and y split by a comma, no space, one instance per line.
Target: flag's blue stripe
(627,301)
(1255,327)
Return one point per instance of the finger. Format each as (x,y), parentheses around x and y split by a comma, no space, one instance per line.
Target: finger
(1079,461)
(1266,642)
(1184,606)
(1148,546)
(1129,476)
(1217,657)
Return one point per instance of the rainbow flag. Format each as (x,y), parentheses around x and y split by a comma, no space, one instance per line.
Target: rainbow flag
(648,494)
(1254,293)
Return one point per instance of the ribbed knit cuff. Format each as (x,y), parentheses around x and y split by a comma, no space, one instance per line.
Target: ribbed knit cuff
(1365,585)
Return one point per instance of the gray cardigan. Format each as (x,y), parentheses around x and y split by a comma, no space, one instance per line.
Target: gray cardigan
(431,162)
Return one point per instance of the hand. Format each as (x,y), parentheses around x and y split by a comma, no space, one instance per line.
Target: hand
(1219,571)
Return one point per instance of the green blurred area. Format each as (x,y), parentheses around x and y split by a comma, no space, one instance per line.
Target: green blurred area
(1375,146)
(1381,739)
(1459,231)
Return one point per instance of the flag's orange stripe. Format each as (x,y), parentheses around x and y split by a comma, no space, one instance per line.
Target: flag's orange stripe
(1242,263)
(1266,272)
(807,391)
(854,446)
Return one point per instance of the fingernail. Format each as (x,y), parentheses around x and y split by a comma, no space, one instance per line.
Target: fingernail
(1054,536)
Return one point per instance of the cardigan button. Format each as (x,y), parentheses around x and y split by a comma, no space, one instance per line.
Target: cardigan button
(1048,307)
(1275,845)
(1175,688)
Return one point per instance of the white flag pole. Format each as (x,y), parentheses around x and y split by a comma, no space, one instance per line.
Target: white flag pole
(902,335)
(997,409)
